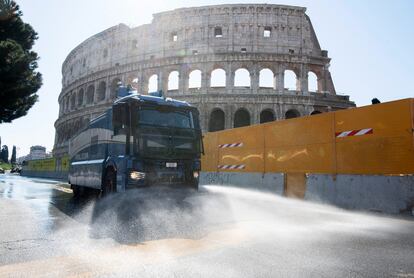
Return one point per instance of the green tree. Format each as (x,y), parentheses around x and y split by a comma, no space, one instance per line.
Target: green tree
(5,154)
(19,80)
(13,156)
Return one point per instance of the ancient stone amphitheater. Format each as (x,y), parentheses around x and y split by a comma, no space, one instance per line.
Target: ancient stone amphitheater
(231,61)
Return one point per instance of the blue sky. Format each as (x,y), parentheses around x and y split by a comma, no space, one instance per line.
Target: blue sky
(370,43)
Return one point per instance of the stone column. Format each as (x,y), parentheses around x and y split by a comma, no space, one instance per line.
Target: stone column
(160,81)
(205,79)
(228,117)
(107,90)
(183,79)
(140,85)
(254,80)
(280,81)
(95,95)
(303,80)
(60,110)
(229,78)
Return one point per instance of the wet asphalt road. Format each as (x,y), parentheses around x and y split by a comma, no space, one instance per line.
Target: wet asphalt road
(217,232)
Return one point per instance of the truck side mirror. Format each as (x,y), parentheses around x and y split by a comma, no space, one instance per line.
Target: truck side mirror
(120,118)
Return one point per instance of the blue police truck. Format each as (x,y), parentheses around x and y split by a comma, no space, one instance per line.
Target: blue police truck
(142,140)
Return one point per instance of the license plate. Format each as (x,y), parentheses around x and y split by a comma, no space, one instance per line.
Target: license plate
(171,164)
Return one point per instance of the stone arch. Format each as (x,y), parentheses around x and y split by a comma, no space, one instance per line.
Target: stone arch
(114,87)
(266,78)
(292,113)
(241,118)
(217,120)
(290,80)
(153,83)
(80,97)
(90,92)
(194,79)
(266,116)
(312,82)
(242,78)
(315,112)
(173,80)
(218,78)
(101,90)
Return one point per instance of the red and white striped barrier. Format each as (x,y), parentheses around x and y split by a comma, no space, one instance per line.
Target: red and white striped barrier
(231,167)
(232,145)
(357,132)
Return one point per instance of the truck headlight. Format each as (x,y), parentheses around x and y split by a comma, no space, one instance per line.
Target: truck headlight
(135,175)
(195,174)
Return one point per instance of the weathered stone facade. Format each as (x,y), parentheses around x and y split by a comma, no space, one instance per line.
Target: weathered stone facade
(225,40)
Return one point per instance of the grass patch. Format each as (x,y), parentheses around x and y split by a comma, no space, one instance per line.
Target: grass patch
(5,166)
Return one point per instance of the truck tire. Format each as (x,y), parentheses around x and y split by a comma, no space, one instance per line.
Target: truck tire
(76,191)
(109,184)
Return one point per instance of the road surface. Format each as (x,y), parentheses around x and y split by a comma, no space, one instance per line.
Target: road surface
(217,232)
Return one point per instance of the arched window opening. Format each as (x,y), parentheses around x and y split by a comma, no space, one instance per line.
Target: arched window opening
(267,32)
(101,90)
(315,112)
(80,97)
(292,113)
(312,82)
(72,101)
(218,32)
(114,88)
(65,104)
(218,78)
(266,116)
(90,94)
(174,37)
(194,79)
(241,118)
(153,83)
(290,80)
(242,78)
(266,79)
(217,120)
(134,44)
(173,79)
(90,91)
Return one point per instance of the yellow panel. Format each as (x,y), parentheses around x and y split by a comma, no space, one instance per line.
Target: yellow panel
(65,163)
(209,159)
(252,159)
(315,158)
(388,150)
(309,145)
(47,164)
(387,155)
(386,119)
(300,131)
(251,137)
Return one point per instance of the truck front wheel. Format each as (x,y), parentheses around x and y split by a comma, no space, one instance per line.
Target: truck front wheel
(76,191)
(109,184)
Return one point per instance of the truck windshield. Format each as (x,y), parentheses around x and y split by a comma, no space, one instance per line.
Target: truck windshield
(169,118)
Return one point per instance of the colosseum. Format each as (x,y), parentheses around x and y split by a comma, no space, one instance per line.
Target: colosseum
(231,61)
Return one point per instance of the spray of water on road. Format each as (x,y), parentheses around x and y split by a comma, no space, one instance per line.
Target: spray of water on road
(144,228)
(220,229)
